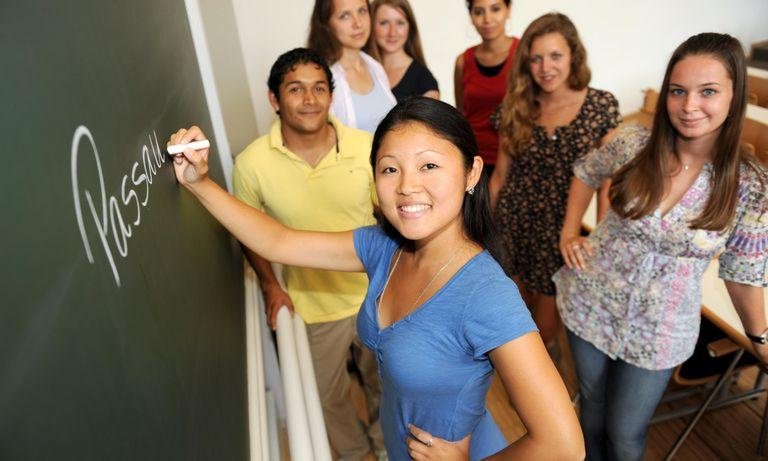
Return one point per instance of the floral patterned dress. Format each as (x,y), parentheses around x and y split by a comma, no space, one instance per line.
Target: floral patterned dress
(531,205)
(639,297)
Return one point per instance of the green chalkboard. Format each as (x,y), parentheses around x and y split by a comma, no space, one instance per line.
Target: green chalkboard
(121,299)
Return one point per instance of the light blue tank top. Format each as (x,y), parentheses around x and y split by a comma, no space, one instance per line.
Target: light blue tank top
(371,108)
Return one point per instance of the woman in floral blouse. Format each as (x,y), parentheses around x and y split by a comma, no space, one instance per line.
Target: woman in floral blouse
(684,194)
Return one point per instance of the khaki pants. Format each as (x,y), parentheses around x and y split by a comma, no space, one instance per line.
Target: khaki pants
(329,343)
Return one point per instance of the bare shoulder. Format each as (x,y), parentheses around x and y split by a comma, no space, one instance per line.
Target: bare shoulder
(459,68)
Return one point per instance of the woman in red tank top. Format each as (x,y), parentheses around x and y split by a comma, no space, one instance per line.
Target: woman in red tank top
(480,76)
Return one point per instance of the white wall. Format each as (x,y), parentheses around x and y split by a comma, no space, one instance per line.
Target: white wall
(267,29)
(628,42)
(230,74)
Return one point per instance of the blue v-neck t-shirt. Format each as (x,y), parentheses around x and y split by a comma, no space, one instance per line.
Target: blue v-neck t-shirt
(434,365)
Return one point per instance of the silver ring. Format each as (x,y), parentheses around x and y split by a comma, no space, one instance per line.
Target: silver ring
(576,246)
(429,442)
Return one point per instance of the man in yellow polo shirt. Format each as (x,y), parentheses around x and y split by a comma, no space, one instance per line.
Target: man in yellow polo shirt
(311,172)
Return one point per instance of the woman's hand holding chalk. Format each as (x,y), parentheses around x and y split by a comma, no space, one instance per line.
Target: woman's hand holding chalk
(189,149)
(195,145)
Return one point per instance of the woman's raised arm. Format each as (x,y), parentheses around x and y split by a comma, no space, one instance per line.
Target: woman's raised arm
(256,230)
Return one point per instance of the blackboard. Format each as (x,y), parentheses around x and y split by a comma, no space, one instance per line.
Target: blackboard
(121,315)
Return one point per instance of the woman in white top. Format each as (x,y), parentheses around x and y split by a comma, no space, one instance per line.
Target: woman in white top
(340,30)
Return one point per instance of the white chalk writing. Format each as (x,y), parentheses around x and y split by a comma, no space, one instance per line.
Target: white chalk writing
(109,212)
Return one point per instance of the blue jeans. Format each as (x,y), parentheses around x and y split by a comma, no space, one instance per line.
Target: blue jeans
(617,402)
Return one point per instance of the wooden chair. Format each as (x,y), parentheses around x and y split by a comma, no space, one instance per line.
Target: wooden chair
(644,116)
(755,138)
(710,357)
(709,372)
(757,89)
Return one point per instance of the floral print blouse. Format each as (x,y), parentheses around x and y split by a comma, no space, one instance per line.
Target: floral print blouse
(639,297)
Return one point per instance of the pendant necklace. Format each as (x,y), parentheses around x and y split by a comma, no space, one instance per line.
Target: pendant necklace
(426,287)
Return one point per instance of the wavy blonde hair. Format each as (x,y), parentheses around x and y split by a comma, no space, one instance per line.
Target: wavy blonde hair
(519,108)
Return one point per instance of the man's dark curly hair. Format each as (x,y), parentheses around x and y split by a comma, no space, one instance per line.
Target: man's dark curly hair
(288,61)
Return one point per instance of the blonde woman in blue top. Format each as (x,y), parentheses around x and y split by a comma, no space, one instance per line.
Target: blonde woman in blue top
(439,313)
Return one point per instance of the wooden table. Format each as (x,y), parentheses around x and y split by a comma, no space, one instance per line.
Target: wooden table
(718,308)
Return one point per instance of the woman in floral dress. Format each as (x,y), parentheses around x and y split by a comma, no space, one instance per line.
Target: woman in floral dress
(550,118)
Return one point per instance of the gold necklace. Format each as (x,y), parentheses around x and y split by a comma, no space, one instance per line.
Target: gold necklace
(423,290)
(685,167)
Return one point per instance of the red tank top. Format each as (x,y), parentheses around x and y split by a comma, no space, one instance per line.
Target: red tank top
(481,96)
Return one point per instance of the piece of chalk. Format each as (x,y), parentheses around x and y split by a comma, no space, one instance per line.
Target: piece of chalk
(195,145)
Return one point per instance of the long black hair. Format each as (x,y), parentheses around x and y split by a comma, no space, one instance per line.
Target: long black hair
(447,123)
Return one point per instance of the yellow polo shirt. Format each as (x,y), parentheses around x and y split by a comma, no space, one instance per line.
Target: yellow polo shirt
(336,195)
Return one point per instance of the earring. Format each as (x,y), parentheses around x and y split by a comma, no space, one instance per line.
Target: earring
(471,190)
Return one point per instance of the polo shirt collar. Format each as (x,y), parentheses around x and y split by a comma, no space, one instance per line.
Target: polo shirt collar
(276,138)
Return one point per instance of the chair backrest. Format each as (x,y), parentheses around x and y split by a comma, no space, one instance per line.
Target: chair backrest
(702,366)
(651,101)
(755,138)
(757,87)
(644,116)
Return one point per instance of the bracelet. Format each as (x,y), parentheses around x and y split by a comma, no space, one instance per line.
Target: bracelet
(760,339)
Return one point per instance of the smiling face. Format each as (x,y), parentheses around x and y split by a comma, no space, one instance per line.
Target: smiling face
(550,62)
(350,23)
(390,28)
(489,17)
(304,99)
(421,181)
(699,97)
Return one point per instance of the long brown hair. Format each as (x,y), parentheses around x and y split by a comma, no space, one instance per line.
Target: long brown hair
(638,187)
(412,45)
(519,108)
(321,38)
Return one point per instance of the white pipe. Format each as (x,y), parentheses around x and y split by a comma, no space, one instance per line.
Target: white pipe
(271,367)
(299,438)
(311,395)
(272,433)
(257,404)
